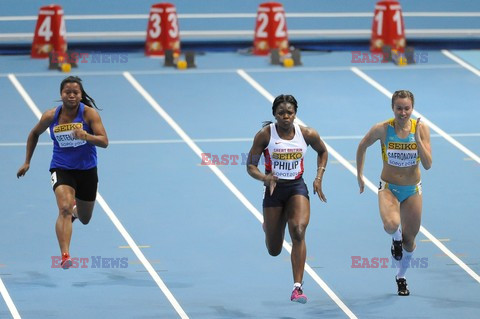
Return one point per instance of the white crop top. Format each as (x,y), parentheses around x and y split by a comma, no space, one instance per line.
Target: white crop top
(285,157)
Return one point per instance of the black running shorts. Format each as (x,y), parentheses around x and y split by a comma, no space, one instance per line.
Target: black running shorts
(84,182)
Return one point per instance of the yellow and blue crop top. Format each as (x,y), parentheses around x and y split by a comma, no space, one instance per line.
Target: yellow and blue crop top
(400,152)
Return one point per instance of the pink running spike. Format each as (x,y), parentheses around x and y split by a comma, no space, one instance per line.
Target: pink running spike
(298,296)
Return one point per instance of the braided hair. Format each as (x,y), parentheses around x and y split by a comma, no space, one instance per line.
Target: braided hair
(282,98)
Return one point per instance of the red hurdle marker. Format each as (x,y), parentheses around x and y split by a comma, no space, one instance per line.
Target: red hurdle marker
(163,32)
(388,28)
(270,29)
(50,32)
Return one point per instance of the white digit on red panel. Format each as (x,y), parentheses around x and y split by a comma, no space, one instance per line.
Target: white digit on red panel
(280,32)
(156,30)
(63,29)
(173,32)
(379,19)
(263,18)
(397,17)
(45,29)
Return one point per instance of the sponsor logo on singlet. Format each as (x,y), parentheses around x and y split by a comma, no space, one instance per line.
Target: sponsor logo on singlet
(64,135)
(287,156)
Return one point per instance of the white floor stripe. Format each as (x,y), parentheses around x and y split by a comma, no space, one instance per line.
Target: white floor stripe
(378,66)
(9,301)
(248,34)
(25,95)
(3,289)
(112,216)
(467,66)
(227,182)
(148,266)
(442,133)
(222,140)
(247,15)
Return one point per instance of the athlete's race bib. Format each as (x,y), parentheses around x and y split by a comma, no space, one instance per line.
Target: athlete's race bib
(402,154)
(287,163)
(64,135)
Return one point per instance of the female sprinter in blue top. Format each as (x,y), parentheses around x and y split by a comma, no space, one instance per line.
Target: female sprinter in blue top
(286,200)
(76,129)
(405,142)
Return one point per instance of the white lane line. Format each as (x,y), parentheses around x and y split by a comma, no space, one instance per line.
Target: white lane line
(379,66)
(246,15)
(191,144)
(148,266)
(3,289)
(9,301)
(111,215)
(227,182)
(25,96)
(224,140)
(466,65)
(417,114)
(342,160)
(435,128)
(244,34)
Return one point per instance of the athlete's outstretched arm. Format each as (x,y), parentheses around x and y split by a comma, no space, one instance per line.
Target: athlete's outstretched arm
(313,139)
(32,139)
(374,134)
(260,142)
(422,137)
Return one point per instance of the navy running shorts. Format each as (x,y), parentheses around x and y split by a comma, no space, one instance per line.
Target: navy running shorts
(283,191)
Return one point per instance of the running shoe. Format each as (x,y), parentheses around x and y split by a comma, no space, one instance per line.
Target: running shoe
(396,249)
(298,296)
(402,287)
(66,261)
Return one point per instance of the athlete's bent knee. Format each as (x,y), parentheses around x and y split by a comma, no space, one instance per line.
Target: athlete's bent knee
(65,210)
(274,250)
(298,232)
(390,226)
(84,221)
